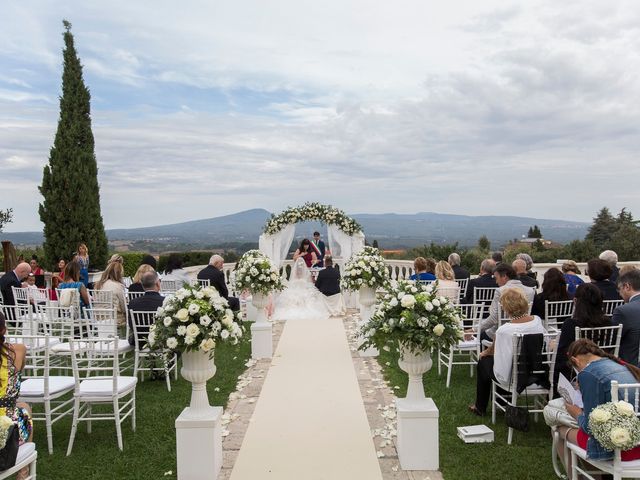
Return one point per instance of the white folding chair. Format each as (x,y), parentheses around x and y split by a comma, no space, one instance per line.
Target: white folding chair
(19,318)
(629,392)
(204,282)
(169,286)
(462,283)
(127,281)
(103,323)
(607,338)
(536,396)
(556,312)
(100,298)
(484,294)
(608,306)
(466,352)
(98,380)
(131,295)
(27,457)
(40,386)
(141,322)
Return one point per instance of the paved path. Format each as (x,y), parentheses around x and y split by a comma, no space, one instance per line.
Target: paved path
(309,421)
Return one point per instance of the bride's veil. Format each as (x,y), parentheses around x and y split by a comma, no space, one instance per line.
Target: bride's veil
(299,272)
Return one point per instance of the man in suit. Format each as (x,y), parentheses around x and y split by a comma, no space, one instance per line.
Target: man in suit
(629,315)
(328,281)
(13,279)
(485,279)
(459,271)
(149,302)
(213,272)
(320,248)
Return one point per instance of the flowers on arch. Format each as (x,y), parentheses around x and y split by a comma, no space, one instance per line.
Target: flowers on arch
(365,269)
(256,274)
(312,211)
(414,315)
(194,319)
(615,425)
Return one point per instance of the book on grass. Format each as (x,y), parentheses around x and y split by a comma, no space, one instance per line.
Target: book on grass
(568,392)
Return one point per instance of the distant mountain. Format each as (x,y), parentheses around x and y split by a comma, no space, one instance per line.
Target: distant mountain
(390,229)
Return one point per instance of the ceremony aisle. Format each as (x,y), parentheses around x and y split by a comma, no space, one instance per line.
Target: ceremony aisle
(309,420)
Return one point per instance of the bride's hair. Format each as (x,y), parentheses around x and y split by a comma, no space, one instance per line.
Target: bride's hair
(303,243)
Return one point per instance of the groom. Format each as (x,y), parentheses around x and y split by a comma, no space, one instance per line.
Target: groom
(328,281)
(319,247)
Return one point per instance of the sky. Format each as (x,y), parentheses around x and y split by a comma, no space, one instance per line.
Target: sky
(206,108)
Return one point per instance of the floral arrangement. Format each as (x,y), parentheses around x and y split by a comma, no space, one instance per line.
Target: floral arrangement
(615,425)
(192,320)
(312,211)
(414,315)
(5,426)
(365,269)
(255,273)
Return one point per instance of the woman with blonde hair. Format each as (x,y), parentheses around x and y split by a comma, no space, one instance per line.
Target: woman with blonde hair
(496,361)
(111,280)
(447,286)
(136,283)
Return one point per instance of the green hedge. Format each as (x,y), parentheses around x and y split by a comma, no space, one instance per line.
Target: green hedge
(132,261)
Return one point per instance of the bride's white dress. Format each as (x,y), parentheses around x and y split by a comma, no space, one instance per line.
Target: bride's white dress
(301,300)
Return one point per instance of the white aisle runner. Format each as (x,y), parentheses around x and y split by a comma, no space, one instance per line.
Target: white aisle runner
(309,422)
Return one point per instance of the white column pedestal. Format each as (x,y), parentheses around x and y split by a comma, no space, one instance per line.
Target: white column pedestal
(261,340)
(199,445)
(418,442)
(252,312)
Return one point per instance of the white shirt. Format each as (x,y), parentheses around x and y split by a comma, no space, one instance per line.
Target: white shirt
(503,352)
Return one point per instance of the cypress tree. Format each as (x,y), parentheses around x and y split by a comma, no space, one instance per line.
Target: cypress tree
(71,207)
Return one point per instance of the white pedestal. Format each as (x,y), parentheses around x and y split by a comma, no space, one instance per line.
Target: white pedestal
(252,312)
(199,445)
(418,443)
(261,340)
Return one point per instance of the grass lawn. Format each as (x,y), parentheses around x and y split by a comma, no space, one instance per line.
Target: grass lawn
(150,451)
(528,457)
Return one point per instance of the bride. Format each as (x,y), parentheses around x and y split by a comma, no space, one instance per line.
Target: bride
(301,300)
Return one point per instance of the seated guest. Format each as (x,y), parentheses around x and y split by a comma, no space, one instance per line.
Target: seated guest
(72,280)
(599,272)
(496,257)
(629,315)
(174,270)
(328,281)
(571,271)
(36,295)
(136,282)
(520,266)
(13,279)
(421,266)
(554,289)
(150,260)
(484,279)
(506,278)
(149,302)
(213,272)
(529,261)
(596,369)
(111,281)
(447,286)
(587,313)
(459,271)
(36,269)
(611,258)
(496,361)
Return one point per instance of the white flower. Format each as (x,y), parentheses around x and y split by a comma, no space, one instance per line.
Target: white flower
(227,320)
(408,301)
(438,330)
(193,330)
(625,408)
(436,302)
(167,321)
(599,415)
(393,302)
(181,330)
(199,295)
(151,339)
(194,308)
(224,334)
(619,436)
(428,306)
(189,340)
(172,342)
(205,320)
(160,311)
(182,315)
(414,290)
(207,344)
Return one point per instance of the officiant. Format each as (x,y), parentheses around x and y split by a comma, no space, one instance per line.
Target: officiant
(320,248)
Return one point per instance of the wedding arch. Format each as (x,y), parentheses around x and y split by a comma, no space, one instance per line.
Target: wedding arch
(344,234)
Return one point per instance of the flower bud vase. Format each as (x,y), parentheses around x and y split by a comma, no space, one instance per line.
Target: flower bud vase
(197,368)
(416,364)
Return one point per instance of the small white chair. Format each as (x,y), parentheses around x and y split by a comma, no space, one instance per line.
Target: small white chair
(100,298)
(131,295)
(484,294)
(462,283)
(98,380)
(556,312)
(204,282)
(127,281)
(608,306)
(169,286)
(607,338)
(27,457)
(629,392)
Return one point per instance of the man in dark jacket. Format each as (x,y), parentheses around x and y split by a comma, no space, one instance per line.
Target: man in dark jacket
(629,316)
(485,279)
(213,272)
(149,302)
(459,271)
(328,281)
(13,279)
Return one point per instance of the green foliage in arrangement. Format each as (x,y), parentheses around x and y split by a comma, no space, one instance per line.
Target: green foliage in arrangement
(70,210)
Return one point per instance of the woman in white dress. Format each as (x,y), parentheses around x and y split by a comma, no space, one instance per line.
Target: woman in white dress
(301,300)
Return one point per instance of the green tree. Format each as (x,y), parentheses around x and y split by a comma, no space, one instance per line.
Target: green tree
(602,229)
(71,207)
(530,232)
(6,216)
(484,244)
(536,233)
(375,244)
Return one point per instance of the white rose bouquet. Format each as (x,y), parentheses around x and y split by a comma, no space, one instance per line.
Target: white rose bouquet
(414,315)
(192,319)
(365,269)
(615,425)
(255,273)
